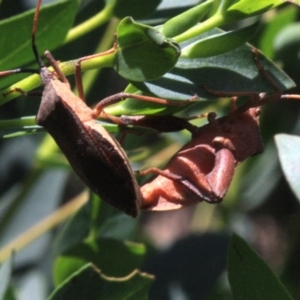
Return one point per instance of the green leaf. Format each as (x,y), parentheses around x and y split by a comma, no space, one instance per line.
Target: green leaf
(279,21)
(288,150)
(288,41)
(186,20)
(111,223)
(15,40)
(113,257)
(90,283)
(247,8)
(186,79)
(249,276)
(135,8)
(79,223)
(143,53)
(219,43)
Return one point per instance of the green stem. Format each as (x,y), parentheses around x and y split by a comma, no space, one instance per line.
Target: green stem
(46,149)
(95,207)
(17,123)
(43,226)
(67,68)
(89,78)
(213,22)
(102,17)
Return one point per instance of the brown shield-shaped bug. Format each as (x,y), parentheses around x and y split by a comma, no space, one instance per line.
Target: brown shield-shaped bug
(96,157)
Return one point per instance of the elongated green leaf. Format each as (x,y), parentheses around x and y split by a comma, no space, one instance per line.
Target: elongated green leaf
(113,257)
(249,276)
(143,53)
(244,8)
(90,283)
(219,43)
(288,150)
(15,34)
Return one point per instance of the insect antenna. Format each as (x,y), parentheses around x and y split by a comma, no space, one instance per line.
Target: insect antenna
(34,49)
(33,35)
(45,74)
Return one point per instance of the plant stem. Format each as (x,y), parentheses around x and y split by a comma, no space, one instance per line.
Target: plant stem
(67,68)
(44,226)
(16,123)
(215,21)
(89,78)
(92,23)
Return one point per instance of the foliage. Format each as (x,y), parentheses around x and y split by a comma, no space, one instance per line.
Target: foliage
(167,52)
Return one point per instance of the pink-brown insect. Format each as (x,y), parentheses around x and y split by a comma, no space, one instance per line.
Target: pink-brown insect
(203,169)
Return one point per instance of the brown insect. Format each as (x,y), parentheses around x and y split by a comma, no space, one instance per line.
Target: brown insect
(96,157)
